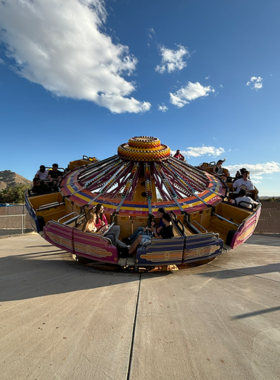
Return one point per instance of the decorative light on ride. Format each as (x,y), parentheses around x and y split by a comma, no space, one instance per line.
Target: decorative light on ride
(148,181)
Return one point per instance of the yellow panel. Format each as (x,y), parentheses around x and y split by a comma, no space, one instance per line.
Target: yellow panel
(125,223)
(76,208)
(231,212)
(205,217)
(141,189)
(53,213)
(139,221)
(39,200)
(68,206)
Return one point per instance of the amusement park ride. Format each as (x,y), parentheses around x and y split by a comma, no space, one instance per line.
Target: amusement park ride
(132,185)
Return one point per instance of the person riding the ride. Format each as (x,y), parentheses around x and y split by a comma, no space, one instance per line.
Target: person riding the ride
(166,232)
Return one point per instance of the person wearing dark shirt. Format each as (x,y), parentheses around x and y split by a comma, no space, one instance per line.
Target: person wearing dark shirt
(146,230)
(141,231)
(39,188)
(55,173)
(160,213)
(166,232)
(54,176)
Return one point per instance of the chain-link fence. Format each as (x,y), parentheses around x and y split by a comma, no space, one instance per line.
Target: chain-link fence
(14,220)
(269,222)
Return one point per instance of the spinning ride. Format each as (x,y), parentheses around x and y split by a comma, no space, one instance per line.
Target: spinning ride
(132,185)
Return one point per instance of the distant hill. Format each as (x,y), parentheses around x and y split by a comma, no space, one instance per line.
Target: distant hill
(9,178)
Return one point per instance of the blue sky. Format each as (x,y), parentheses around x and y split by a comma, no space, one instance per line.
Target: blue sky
(80,77)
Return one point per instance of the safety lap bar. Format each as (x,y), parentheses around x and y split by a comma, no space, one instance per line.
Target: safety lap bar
(226,220)
(49,205)
(199,225)
(65,216)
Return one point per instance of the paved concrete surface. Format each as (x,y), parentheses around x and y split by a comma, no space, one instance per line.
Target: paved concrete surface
(60,320)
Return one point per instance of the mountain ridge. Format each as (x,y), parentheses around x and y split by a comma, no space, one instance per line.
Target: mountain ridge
(9,178)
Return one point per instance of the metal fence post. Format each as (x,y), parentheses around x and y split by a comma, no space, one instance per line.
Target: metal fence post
(21,223)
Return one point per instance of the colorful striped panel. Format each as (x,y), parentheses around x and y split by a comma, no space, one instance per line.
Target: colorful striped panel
(201,246)
(59,235)
(245,231)
(161,252)
(139,208)
(94,247)
(215,184)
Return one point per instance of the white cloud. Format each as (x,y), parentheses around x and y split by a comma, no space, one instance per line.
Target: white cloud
(59,45)
(151,33)
(190,92)
(1,61)
(201,151)
(172,60)
(255,83)
(207,77)
(221,86)
(257,170)
(162,108)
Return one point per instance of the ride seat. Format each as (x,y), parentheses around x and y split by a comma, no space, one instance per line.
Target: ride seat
(139,221)
(176,231)
(221,226)
(125,222)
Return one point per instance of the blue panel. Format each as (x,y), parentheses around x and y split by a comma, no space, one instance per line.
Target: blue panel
(202,246)
(161,252)
(32,216)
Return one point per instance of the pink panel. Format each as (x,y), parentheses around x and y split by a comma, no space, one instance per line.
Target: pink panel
(94,247)
(246,230)
(59,235)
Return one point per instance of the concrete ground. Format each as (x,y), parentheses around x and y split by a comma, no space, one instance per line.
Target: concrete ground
(60,320)
(13,231)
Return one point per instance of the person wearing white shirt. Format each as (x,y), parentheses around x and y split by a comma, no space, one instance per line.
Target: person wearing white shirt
(42,174)
(243,183)
(242,198)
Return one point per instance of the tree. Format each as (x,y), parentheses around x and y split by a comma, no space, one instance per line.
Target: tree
(13,194)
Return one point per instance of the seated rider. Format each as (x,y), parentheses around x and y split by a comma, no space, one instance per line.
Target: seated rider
(147,230)
(239,174)
(89,225)
(141,231)
(39,188)
(243,183)
(166,232)
(54,175)
(98,224)
(179,156)
(218,170)
(160,213)
(42,173)
(243,198)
